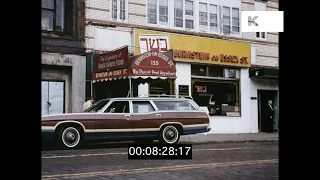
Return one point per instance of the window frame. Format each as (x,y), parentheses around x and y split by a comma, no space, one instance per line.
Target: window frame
(158,24)
(260,34)
(220,4)
(126,2)
(195,108)
(235,82)
(189,17)
(174,15)
(54,25)
(217,16)
(207,13)
(151,103)
(111,102)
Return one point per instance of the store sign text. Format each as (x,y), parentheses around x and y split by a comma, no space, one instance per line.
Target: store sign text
(153,43)
(153,62)
(207,57)
(152,72)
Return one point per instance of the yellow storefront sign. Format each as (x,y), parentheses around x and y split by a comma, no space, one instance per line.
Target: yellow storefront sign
(193,49)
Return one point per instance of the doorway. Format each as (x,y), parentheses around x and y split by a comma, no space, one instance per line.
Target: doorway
(263,97)
(52,97)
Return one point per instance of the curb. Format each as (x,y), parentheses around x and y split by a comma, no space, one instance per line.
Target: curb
(226,141)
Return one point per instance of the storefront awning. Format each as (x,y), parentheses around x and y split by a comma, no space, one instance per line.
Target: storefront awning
(152,65)
(264,73)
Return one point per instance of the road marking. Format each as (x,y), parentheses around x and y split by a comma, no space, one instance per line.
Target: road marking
(118,153)
(83,155)
(157,169)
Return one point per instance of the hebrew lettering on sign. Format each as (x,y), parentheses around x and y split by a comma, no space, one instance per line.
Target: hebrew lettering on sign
(158,43)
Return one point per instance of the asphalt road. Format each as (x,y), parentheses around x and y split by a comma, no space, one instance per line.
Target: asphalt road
(225,161)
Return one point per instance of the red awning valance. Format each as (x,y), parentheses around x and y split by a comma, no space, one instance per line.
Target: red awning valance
(147,65)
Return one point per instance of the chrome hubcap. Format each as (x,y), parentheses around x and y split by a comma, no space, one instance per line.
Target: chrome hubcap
(170,134)
(70,137)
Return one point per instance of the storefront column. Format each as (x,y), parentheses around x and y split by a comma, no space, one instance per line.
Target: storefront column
(245,99)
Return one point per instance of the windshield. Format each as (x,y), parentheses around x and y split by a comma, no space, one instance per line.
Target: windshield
(97,106)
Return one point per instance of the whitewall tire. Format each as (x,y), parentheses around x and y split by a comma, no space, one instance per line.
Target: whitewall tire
(169,135)
(69,137)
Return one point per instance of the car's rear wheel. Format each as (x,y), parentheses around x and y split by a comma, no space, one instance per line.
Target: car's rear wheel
(69,137)
(169,135)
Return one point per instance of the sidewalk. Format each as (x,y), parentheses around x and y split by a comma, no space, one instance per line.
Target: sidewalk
(241,137)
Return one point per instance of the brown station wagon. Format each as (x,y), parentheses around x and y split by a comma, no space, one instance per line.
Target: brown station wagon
(141,119)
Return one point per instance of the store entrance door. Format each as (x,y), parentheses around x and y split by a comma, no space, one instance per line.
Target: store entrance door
(263,97)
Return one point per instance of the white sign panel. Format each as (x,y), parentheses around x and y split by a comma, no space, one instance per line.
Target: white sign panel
(154,43)
(262,21)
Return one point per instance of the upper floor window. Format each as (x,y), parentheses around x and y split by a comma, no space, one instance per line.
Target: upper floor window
(261,35)
(203,17)
(230,24)
(260,6)
(213,17)
(163,12)
(53,15)
(119,10)
(189,14)
(235,20)
(183,14)
(226,20)
(157,12)
(178,13)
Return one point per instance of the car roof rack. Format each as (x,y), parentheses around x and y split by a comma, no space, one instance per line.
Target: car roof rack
(160,95)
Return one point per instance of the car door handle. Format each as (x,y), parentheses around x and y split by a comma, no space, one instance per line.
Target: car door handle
(158,115)
(127,116)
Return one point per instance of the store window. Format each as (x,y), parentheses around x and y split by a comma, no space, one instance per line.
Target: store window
(217,88)
(198,70)
(216,71)
(220,97)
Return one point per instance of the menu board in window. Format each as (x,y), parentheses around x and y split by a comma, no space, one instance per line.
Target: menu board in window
(161,87)
(183,90)
(159,90)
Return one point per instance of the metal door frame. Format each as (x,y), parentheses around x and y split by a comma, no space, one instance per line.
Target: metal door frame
(64,90)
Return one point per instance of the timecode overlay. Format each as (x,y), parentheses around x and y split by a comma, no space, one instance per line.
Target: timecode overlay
(159,151)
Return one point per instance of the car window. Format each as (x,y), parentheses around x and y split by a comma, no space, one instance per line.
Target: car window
(118,107)
(97,106)
(173,105)
(142,107)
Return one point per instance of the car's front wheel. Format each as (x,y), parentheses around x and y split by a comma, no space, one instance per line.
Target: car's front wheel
(169,134)
(69,137)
